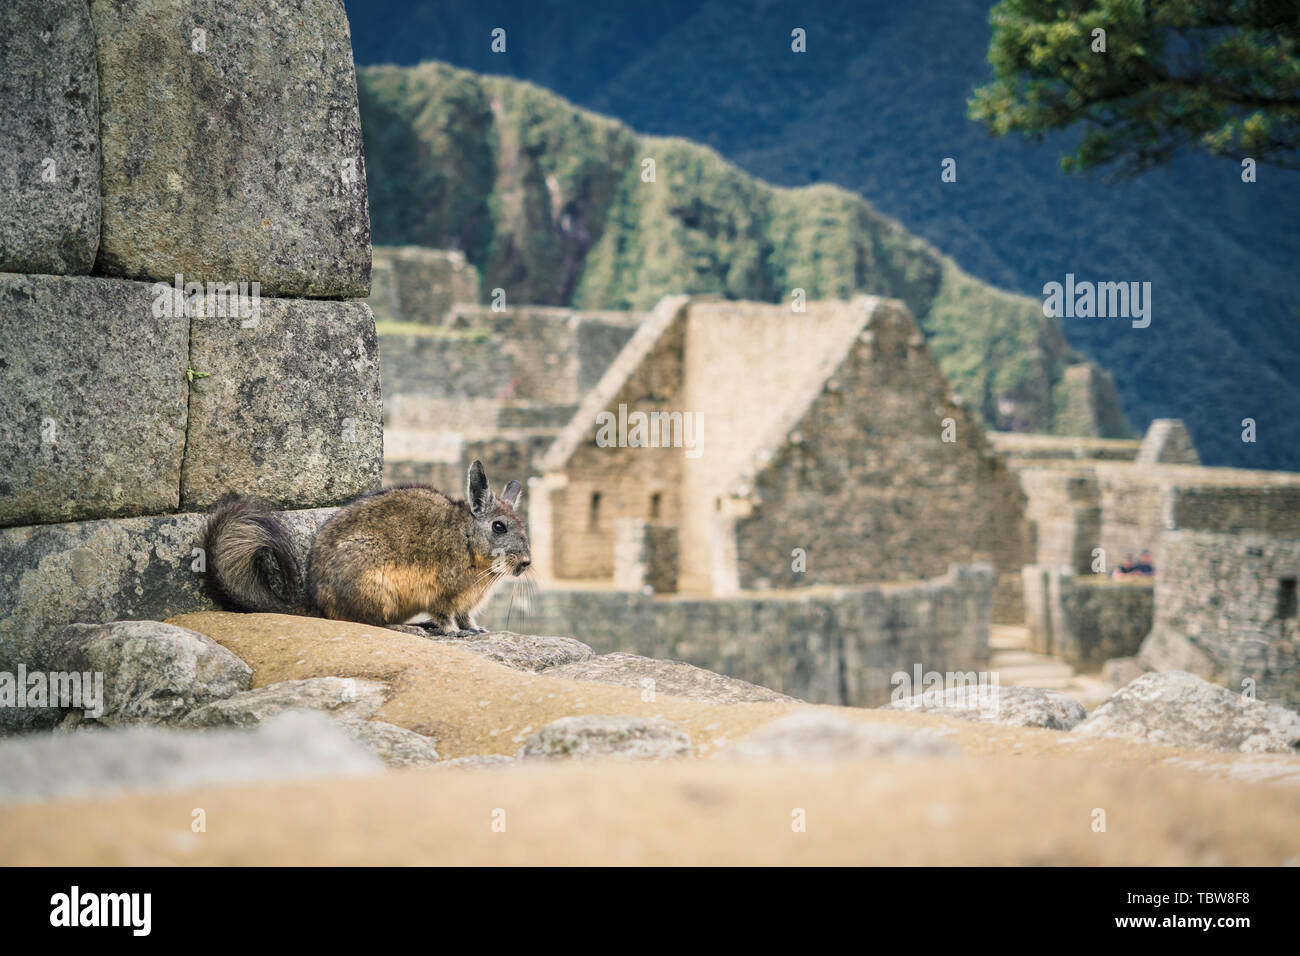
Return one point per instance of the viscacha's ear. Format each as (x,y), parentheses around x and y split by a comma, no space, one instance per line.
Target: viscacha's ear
(477,490)
(512,493)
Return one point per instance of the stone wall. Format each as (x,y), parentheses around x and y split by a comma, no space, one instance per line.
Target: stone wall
(414,284)
(749,368)
(182,208)
(1081,496)
(573,513)
(499,384)
(827,646)
(1021,447)
(1085,619)
(645,556)
(1064,512)
(865,482)
(1087,403)
(821,431)
(1226,610)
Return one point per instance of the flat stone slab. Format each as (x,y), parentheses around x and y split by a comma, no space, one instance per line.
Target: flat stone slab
(93,422)
(49,137)
(289,410)
(232,145)
(653,677)
(1178,709)
(97,571)
(102,762)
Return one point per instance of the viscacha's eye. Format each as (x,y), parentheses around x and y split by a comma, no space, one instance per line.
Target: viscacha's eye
(498,527)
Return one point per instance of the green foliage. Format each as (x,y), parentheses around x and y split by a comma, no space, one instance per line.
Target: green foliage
(565,218)
(1219,75)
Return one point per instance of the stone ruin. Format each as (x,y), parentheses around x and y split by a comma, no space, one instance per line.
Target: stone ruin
(1225,543)
(145,146)
(610,529)
(182,266)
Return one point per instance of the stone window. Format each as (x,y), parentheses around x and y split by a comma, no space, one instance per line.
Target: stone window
(593,515)
(656,500)
(1286,598)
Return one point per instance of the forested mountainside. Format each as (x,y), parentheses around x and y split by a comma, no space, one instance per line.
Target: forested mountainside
(552,204)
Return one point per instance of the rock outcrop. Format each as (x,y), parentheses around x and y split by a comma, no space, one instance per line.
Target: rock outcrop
(154,673)
(677,678)
(525,652)
(1181,710)
(617,737)
(855,786)
(339,696)
(1012,706)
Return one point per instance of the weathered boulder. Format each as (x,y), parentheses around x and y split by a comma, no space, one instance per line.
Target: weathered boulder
(290,408)
(93,422)
(395,746)
(232,145)
(665,677)
(97,571)
(339,696)
(1181,710)
(619,736)
(154,673)
(49,138)
(995,704)
(290,746)
(824,735)
(1119,671)
(525,652)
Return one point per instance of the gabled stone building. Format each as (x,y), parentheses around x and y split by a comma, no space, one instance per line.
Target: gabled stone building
(735,446)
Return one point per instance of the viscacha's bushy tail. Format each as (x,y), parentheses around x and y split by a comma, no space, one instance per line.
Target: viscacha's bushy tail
(252,563)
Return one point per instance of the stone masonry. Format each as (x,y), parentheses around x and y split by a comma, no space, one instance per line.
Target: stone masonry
(845,445)
(207,352)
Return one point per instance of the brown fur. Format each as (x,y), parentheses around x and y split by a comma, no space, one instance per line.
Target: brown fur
(394,554)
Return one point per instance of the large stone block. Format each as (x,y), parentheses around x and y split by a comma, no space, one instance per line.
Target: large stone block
(49,137)
(414,284)
(98,571)
(92,422)
(232,144)
(290,408)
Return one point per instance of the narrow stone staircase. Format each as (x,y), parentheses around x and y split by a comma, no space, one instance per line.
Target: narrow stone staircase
(1018,667)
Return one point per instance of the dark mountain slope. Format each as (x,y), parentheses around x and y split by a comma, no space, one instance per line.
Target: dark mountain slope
(875,105)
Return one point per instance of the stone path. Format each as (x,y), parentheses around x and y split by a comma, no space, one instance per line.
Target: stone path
(1018,667)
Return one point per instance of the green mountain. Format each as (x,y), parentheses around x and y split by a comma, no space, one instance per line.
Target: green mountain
(554,205)
(874,105)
